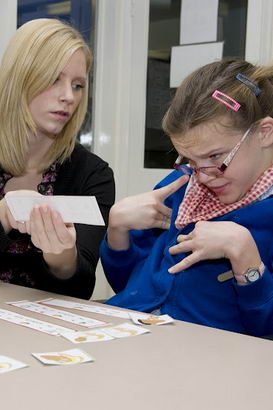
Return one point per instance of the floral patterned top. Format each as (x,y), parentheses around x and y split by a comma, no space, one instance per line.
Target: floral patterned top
(21,243)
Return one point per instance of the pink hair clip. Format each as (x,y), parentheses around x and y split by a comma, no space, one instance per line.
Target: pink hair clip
(225,99)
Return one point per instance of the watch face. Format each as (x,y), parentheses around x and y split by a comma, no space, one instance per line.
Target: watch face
(252,275)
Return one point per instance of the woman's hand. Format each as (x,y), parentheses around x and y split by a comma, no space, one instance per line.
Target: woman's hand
(48,232)
(144,211)
(215,240)
(7,219)
(56,239)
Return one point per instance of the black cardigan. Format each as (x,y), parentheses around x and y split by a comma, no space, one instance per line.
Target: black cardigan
(82,174)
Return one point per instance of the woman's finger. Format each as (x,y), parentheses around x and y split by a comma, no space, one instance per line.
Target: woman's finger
(21,226)
(62,230)
(38,233)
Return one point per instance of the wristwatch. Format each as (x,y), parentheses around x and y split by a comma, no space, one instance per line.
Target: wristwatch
(251,275)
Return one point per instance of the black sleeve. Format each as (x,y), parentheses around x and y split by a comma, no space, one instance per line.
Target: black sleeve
(85,174)
(4,239)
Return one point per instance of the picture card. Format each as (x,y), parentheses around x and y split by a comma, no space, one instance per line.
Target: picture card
(73,209)
(7,364)
(125,330)
(87,337)
(66,357)
(151,319)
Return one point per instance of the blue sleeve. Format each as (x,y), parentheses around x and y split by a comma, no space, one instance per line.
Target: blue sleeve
(256,305)
(118,265)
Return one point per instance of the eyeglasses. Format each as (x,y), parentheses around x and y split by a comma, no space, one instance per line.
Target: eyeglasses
(212,170)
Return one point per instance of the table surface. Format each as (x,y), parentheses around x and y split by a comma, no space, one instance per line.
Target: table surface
(175,366)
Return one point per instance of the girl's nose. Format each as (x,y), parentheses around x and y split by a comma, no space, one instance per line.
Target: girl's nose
(204,178)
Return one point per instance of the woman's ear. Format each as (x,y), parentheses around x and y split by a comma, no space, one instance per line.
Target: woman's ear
(265,132)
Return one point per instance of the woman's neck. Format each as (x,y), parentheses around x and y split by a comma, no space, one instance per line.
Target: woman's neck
(38,148)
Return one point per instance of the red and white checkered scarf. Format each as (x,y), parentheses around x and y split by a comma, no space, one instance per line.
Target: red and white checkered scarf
(200,204)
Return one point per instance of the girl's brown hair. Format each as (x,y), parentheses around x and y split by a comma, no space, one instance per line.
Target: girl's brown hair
(193,103)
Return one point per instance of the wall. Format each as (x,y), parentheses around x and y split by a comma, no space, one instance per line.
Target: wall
(8,21)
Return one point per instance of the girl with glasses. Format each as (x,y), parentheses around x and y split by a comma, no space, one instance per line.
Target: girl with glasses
(200,246)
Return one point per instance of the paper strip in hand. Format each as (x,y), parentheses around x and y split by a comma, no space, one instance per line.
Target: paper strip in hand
(73,209)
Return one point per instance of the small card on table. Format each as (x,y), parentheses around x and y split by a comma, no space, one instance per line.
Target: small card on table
(66,357)
(87,336)
(7,364)
(151,319)
(125,330)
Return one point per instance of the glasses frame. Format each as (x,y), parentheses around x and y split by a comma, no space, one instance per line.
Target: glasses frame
(213,170)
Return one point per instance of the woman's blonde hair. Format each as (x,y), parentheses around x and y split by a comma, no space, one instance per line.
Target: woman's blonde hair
(35,56)
(193,103)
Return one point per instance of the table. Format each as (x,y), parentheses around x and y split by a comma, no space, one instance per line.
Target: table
(176,366)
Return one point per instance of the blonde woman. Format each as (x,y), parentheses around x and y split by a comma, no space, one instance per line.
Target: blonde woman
(43,102)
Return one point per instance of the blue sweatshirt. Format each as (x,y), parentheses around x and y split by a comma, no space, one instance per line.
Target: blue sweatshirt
(140,277)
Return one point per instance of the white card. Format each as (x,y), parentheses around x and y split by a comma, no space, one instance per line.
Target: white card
(125,330)
(66,357)
(58,314)
(87,337)
(151,319)
(7,364)
(73,209)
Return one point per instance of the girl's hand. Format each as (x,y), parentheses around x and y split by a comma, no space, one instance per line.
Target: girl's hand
(145,211)
(215,240)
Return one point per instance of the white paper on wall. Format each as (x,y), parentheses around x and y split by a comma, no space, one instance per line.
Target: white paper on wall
(185,59)
(198,21)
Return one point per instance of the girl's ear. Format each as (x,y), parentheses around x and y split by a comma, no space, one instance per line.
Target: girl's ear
(265,132)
